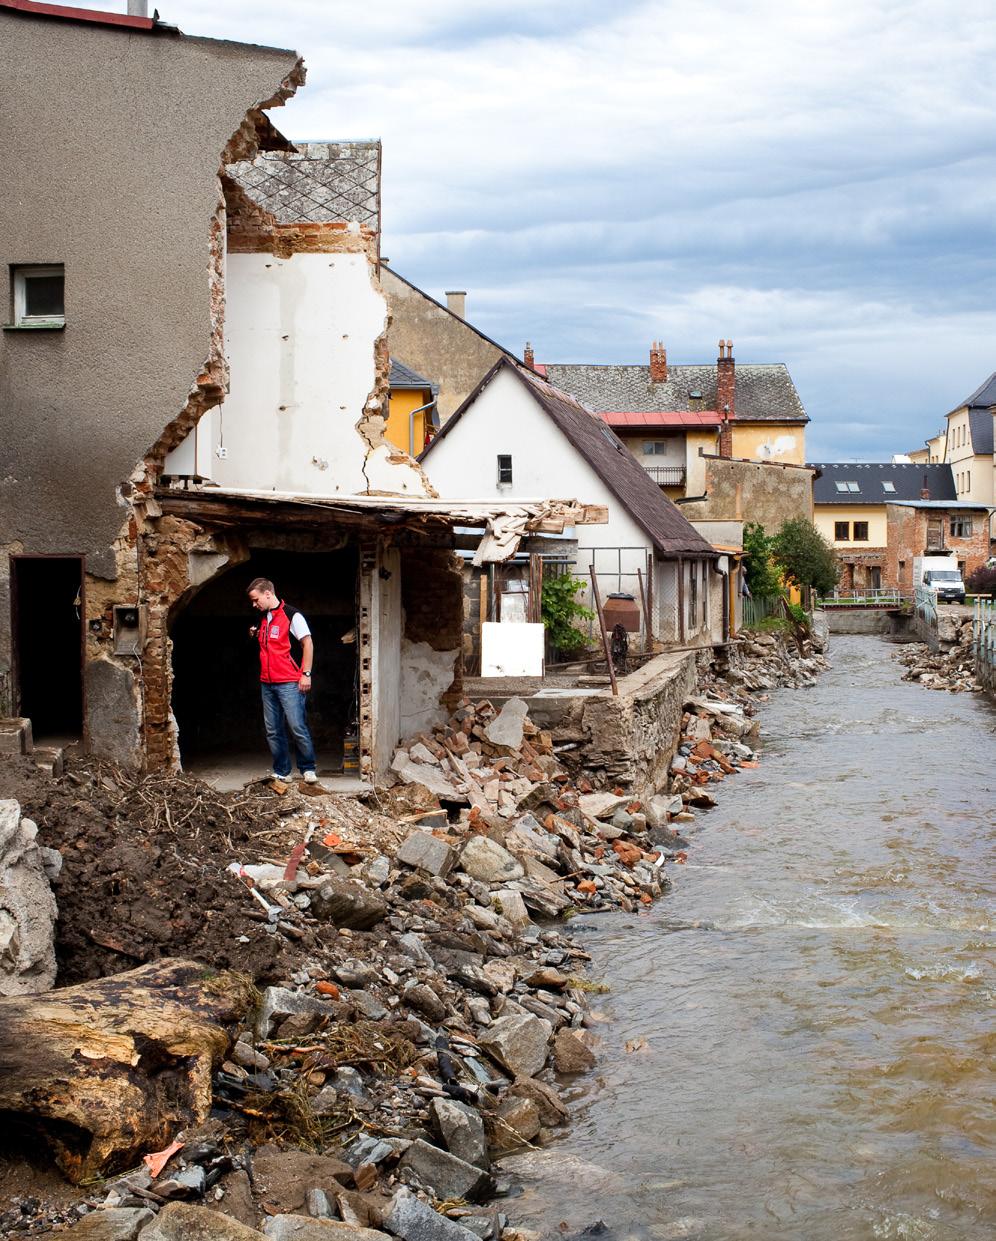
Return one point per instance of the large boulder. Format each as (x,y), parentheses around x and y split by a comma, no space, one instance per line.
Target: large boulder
(461,1129)
(447,1176)
(413,1220)
(519,1042)
(484,859)
(27,908)
(348,904)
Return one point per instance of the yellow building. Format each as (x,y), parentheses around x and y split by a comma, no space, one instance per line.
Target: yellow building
(969,444)
(412,413)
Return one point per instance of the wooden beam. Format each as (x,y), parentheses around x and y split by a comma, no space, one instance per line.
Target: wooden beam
(605,637)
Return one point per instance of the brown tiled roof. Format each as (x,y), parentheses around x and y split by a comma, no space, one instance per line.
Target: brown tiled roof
(669,531)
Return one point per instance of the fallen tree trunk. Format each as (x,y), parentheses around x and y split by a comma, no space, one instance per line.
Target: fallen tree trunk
(108,1070)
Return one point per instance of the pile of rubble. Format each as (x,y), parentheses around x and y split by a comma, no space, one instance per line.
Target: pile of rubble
(420,1008)
(952,670)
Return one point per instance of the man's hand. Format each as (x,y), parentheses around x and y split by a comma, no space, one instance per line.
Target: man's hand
(304,684)
(253,630)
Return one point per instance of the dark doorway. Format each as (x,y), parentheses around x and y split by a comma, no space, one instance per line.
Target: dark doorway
(47,604)
(216,697)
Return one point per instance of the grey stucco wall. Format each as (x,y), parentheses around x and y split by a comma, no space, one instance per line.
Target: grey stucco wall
(753,491)
(112,140)
(440,346)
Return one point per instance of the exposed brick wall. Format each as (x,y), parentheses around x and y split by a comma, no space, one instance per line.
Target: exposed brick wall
(907,533)
(658,363)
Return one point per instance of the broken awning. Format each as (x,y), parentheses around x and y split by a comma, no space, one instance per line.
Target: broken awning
(503,525)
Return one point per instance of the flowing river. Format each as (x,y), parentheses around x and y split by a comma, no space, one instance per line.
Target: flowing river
(800,1037)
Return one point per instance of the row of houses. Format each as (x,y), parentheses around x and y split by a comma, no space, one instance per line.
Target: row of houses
(211,373)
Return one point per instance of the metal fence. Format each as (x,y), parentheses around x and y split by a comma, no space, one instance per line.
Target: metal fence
(667,475)
(863,598)
(984,640)
(756,609)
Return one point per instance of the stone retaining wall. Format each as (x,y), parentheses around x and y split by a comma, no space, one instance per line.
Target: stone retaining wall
(626,740)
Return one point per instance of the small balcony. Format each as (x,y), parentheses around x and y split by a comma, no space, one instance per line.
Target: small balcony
(667,475)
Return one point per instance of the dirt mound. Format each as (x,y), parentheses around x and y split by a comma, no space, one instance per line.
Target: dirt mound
(143,872)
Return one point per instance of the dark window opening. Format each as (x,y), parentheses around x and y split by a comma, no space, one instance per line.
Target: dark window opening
(841,531)
(504,469)
(47,614)
(961,527)
(216,693)
(860,532)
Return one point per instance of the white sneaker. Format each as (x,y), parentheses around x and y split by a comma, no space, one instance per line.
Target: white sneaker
(275,775)
(311,777)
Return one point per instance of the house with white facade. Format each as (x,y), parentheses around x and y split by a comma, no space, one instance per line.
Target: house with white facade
(518,438)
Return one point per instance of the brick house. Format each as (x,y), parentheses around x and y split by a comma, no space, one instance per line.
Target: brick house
(193,386)
(880,516)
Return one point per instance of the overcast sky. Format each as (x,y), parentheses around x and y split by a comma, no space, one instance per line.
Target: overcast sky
(815,181)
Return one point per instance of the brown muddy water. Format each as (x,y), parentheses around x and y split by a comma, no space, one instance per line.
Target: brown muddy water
(815,994)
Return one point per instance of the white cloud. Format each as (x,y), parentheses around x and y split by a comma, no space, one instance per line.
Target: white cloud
(817,181)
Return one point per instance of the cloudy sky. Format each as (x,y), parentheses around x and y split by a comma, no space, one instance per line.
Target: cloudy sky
(815,181)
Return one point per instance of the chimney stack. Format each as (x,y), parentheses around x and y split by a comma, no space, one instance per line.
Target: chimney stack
(658,363)
(925,489)
(528,357)
(456,302)
(726,396)
(138,8)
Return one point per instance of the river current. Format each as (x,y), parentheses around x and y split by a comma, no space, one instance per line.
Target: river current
(799,1040)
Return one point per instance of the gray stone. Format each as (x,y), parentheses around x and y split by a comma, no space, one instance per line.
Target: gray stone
(423,851)
(551,1110)
(110,1224)
(421,773)
(445,1174)
(570,1055)
(325,1102)
(426,1001)
(301,1228)
(249,1057)
(513,907)
(412,1220)
(520,1122)
(317,1202)
(113,712)
(279,1002)
(602,805)
(368,1004)
(461,1130)
(519,1043)
(27,908)
(354,973)
(180,1221)
(483,859)
(347,904)
(506,728)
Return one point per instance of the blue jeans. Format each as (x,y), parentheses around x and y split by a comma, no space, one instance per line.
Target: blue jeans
(284,708)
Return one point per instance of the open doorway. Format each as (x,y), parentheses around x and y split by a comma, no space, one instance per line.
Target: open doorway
(47,626)
(216,697)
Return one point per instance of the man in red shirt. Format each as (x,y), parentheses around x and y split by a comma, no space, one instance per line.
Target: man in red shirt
(284,683)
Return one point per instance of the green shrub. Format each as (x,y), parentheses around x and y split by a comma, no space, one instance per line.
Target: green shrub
(561,610)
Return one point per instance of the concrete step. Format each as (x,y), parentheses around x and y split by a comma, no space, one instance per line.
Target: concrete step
(15,735)
(50,759)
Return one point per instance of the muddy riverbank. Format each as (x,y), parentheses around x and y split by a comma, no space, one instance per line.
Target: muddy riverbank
(810,1008)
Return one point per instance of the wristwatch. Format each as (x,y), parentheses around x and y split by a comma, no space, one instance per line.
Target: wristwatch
(306,674)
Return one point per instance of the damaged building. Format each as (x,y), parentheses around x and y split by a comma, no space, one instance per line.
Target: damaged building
(194,379)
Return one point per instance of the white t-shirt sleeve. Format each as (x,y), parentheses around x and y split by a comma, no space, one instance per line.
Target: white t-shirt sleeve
(299,627)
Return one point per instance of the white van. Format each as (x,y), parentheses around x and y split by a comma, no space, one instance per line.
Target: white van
(941,576)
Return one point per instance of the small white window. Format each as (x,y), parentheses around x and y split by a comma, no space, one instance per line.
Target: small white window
(888,486)
(40,296)
(853,487)
(504,469)
(841,486)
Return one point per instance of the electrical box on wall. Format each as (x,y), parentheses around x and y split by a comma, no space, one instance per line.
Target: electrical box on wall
(129,628)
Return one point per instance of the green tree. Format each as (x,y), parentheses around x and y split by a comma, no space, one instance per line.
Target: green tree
(561,609)
(804,556)
(762,574)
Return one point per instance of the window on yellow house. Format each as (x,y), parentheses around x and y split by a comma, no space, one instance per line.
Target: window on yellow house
(841,531)
(861,532)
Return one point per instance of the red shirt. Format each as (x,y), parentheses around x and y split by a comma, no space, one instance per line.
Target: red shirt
(275,662)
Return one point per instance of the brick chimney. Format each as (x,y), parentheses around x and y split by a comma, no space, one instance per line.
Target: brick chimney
(658,363)
(528,356)
(456,302)
(925,489)
(726,395)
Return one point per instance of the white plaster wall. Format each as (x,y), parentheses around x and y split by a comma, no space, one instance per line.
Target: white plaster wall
(426,674)
(506,419)
(299,336)
(385,657)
